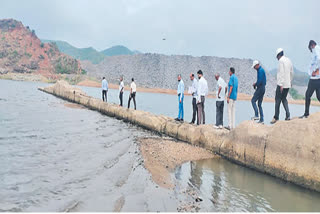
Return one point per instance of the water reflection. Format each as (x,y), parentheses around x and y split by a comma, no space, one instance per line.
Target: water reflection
(229,187)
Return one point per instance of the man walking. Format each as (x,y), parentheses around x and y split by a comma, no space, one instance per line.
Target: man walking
(221,90)
(284,80)
(232,97)
(260,87)
(121,88)
(193,91)
(104,89)
(314,81)
(132,95)
(202,92)
(180,92)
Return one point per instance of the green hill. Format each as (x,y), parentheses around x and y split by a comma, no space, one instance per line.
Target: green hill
(90,53)
(118,50)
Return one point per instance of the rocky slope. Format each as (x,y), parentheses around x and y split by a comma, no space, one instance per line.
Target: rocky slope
(21,51)
(160,71)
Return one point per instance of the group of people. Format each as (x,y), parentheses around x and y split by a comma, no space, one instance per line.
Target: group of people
(132,95)
(199,91)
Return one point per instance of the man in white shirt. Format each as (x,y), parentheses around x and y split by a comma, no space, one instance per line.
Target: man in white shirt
(180,92)
(202,92)
(221,91)
(193,91)
(104,89)
(132,94)
(314,73)
(121,88)
(284,83)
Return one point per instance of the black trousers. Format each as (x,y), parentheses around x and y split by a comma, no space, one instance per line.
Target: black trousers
(121,97)
(132,96)
(195,111)
(313,85)
(104,95)
(281,97)
(219,113)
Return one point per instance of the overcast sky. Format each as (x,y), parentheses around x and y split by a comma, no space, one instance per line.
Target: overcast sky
(239,28)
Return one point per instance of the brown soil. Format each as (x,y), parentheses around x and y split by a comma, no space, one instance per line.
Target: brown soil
(161,156)
(73,105)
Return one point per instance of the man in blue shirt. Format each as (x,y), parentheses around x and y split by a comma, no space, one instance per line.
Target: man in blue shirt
(260,87)
(180,98)
(232,97)
(104,87)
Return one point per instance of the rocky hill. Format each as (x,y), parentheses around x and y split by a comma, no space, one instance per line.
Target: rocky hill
(160,71)
(21,51)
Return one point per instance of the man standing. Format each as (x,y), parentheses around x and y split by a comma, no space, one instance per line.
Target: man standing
(202,92)
(132,94)
(260,87)
(221,90)
(284,80)
(314,81)
(193,91)
(104,88)
(180,98)
(232,97)
(121,88)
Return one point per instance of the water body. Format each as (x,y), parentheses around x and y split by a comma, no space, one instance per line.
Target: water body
(57,158)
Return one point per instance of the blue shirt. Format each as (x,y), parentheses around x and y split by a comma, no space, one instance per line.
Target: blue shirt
(104,85)
(181,88)
(261,77)
(233,81)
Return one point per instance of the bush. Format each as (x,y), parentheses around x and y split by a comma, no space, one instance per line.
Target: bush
(83,71)
(295,95)
(41,45)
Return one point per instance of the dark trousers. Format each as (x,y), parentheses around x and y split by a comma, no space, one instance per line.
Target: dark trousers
(258,96)
(281,97)
(195,111)
(313,85)
(104,95)
(132,96)
(219,113)
(121,97)
(201,113)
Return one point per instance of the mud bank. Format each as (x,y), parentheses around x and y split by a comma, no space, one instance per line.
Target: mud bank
(287,150)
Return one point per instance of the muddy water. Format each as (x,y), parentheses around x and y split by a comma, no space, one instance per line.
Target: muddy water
(57,157)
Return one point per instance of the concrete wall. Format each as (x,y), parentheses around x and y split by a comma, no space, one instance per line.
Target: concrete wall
(287,150)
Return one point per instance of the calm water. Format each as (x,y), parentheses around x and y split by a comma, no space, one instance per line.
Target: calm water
(57,158)
(168,105)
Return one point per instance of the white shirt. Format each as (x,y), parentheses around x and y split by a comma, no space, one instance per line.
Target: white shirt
(285,72)
(133,87)
(194,88)
(202,88)
(121,86)
(221,83)
(104,85)
(315,62)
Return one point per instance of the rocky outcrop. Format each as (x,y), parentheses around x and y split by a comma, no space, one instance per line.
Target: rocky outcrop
(21,51)
(287,150)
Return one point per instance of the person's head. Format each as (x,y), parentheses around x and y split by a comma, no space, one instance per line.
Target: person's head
(311,45)
(121,78)
(103,78)
(179,77)
(279,53)
(191,77)
(132,80)
(231,71)
(255,64)
(200,74)
(217,76)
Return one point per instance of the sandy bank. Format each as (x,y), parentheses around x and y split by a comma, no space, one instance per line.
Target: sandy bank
(162,156)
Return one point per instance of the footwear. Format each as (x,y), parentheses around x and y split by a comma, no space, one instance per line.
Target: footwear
(261,122)
(255,118)
(304,116)
(181,120)
(216,127)
(273,121)
(287,118)
(177,119)
(220,127)
(191,123)
(228,128)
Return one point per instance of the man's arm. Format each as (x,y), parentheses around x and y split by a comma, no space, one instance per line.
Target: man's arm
(219,91)
(230,91)
(281,75)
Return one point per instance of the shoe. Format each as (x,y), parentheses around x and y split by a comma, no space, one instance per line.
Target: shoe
(304,116)
(177,119)
(287,118)
(261,122)
(227,127)
(220,127)
(216,127)
(181,120)
(255,118)
(191,122)
(273,121)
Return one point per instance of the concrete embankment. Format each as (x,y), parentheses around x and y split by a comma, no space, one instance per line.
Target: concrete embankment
(287,150)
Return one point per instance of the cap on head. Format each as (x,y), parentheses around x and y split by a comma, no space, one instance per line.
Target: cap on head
(255,62)
(279,50)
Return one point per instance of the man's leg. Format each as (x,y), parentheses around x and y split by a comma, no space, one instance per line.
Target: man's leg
(106,96)
(194,108)
(253,102)
(121,98)
(229,113)
(277,104)
(134,101)
(103,95)
(182,110)
(203,112)
(233,114)
(317,87)
(199,105)
(260,99)
(179,114)
(285,102)
(217,113)
(129,101)
(309,94)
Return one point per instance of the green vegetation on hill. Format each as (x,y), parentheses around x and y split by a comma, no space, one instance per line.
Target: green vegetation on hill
(117,50)
(295,95)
